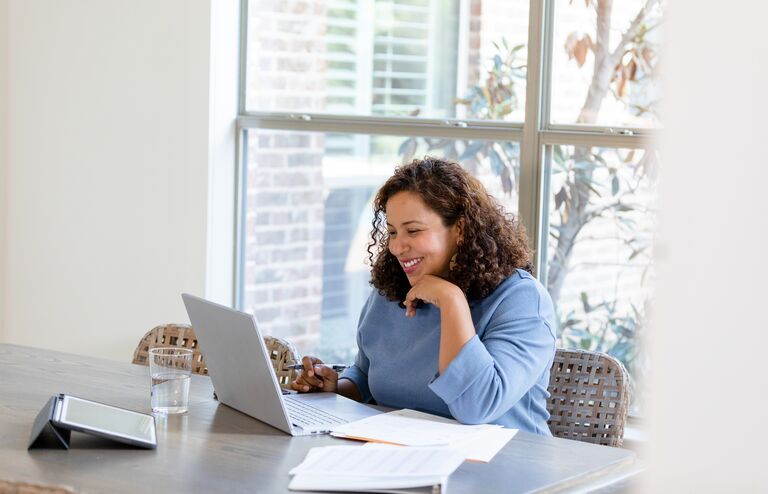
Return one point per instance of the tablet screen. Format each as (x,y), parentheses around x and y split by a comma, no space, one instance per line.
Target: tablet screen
(107,419)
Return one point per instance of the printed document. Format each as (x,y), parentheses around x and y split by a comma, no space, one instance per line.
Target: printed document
(412,428)
(381,468)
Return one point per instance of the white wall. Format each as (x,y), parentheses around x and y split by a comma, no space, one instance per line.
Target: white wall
(3,148)
(710,333)
(107,173)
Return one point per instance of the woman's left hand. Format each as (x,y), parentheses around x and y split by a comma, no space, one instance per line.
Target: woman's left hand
(432,290)
(456,326)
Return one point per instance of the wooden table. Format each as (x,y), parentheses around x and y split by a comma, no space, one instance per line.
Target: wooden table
(213,448)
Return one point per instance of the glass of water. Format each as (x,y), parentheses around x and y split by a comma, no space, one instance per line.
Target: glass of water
(170,369)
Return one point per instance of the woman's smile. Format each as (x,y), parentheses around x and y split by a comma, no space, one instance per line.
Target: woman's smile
(410,265)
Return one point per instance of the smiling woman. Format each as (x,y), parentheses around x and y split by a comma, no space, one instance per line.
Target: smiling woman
(457,326)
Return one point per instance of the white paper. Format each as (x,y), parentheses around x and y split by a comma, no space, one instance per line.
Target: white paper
(360,468)
(484,445)
(409,428)
(392,461)
(303,482)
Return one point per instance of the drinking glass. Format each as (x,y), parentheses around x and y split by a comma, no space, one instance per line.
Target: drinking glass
(170,370)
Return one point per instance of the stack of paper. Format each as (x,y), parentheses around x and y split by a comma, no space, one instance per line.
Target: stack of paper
(412,428)
(375,469)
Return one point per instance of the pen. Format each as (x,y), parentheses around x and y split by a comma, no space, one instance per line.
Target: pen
(335,367)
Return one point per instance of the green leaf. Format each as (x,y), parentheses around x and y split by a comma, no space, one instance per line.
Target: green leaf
(450,152)
(407,149)
(599,159)
(570,323)
(585,302)
(592,188)
(615,185)
(506,180)
(439,143)
(631,224)
(560,197)
(636,253)
(496,163)
(511,149)
(472,149)
(584,165)
(557,155)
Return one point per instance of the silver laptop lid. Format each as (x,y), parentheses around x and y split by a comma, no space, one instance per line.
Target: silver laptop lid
(237,361)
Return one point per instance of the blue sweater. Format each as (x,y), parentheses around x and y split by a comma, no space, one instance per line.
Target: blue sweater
(500,376)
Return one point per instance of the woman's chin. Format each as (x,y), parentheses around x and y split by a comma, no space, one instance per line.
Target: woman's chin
(413,278)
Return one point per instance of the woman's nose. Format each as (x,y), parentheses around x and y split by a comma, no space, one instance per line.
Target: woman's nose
(397,247)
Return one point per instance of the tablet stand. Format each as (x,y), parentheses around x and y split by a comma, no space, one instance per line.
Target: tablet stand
(44,433)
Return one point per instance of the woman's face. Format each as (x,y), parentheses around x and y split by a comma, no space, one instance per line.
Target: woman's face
(418,238)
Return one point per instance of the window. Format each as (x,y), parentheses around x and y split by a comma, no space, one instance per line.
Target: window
(549,103)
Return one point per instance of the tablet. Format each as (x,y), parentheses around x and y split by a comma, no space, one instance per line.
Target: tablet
(118,424)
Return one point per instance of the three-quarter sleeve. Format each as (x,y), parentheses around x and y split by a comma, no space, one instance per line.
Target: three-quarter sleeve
(358,374)
(499,365)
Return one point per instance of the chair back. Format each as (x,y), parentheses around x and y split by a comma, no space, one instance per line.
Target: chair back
(165,335)
(281,353)
(589,397)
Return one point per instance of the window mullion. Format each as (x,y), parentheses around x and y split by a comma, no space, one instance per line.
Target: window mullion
(383,126)
(530,152)
(595,140)
(243,48)
(240,214)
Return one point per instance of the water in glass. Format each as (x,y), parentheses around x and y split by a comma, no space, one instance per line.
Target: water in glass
(170,393)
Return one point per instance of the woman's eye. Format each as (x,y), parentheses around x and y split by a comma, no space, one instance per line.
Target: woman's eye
(392,234)
(413,232)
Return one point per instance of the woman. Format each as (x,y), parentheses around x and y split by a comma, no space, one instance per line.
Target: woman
(457,325)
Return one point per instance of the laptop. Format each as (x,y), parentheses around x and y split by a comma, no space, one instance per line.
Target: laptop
(243,378)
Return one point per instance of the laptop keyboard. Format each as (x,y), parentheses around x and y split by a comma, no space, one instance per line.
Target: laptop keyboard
(306,415)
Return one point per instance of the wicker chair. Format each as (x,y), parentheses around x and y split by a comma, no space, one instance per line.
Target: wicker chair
(18,487)
(281,353)
(589,397)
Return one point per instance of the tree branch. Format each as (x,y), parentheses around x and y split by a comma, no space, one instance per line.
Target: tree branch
(631,32)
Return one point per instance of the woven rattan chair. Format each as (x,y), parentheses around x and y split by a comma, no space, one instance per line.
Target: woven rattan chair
(589,397)
(16,487)
(281,353)
(178,335)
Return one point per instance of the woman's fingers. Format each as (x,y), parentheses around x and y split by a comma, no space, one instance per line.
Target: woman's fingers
(309,364)
(301,385)
(306,380)
(326,372)
(410,304)
(329,377)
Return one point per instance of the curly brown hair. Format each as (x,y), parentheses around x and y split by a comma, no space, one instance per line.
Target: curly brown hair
(493,243)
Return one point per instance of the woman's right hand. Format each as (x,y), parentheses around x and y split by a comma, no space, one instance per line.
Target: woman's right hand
(315,377)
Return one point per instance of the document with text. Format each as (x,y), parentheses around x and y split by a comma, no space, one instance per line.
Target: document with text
(381,468)
(412,428)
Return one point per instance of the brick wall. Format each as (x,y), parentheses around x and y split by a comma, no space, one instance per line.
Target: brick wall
(284,234)
(473,52)
(284,220)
